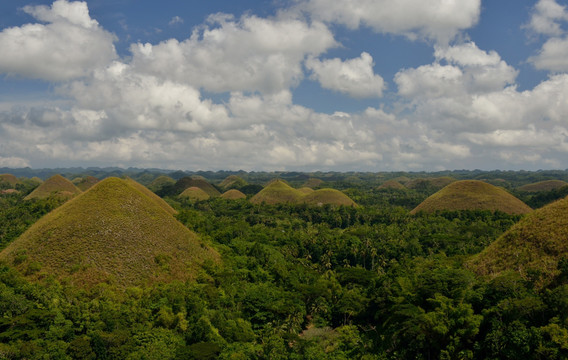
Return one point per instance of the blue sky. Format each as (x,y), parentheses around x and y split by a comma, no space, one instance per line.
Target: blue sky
(285,85)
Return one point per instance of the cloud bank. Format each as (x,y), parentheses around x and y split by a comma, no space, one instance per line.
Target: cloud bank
(157,107)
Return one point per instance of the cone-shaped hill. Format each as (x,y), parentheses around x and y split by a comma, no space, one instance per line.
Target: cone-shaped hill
(327,196)
(114,232)
(233,194)
(194,194)
(56,185)
(161,181)
(391,184)
(9,179)
(276,192)
(187,182)
(232,182)
(536,242)
(313,182)
(473,195)
(546,185)
(85,182)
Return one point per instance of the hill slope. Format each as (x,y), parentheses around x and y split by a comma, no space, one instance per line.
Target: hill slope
(546,185)
(473,195)
(9,180)
(194,194)
(56,185)
(327,196)
(113,232)
(278,191)
(536,242)
(85,183)
(232,182)
(233,194)
(391,184)
(187,182)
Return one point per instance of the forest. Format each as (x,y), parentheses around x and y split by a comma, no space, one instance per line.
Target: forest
(299,281)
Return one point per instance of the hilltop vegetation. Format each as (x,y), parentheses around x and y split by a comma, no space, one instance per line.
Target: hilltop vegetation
(194,194)
(473,195)
(279,192)
(546,185)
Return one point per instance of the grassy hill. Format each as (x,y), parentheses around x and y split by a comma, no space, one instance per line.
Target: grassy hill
(232,182)
(391,184)
(114,232)
(276,192)
(56,185)
(159,182)
(9,179)
(327,196)
(306,190)
(536,243)
(546,185)
(85,182)
(194,194)
(473,195)
(233,194)
(187,182)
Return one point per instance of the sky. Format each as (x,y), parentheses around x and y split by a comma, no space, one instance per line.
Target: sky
(304,85)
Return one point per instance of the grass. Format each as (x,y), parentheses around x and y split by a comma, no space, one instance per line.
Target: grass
(84,183)
(56,185)
(161,181)
(233,194)
(278,191)
(115,232)
(327,196)
(391,184)
(194,194)
(232,181)
(9,179)
(187,182)
(532,247)
(473,195)
(306,190)
(313,183)
(546,185)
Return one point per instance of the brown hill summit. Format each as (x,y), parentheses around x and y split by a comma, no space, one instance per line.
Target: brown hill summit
(194,194)
(161,181)
(9,179)
(114,232)
(537,242)
(276,192)
(313,182)
(473,195)
(546,185)
(391,184)
(233,194)
(85,182)
(187,182)
(232,182)
(56,185)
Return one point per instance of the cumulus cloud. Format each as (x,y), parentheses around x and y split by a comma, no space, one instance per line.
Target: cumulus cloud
(546,18)
(69,45)
(354,77)
(248,54)
(439,20)
(175,20)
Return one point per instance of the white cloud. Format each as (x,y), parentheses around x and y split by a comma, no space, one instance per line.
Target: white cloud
(175,20)
(13,162)
(553,55)
(354,77)
(440,20)
(546,18)
(249,54)
(56,51)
